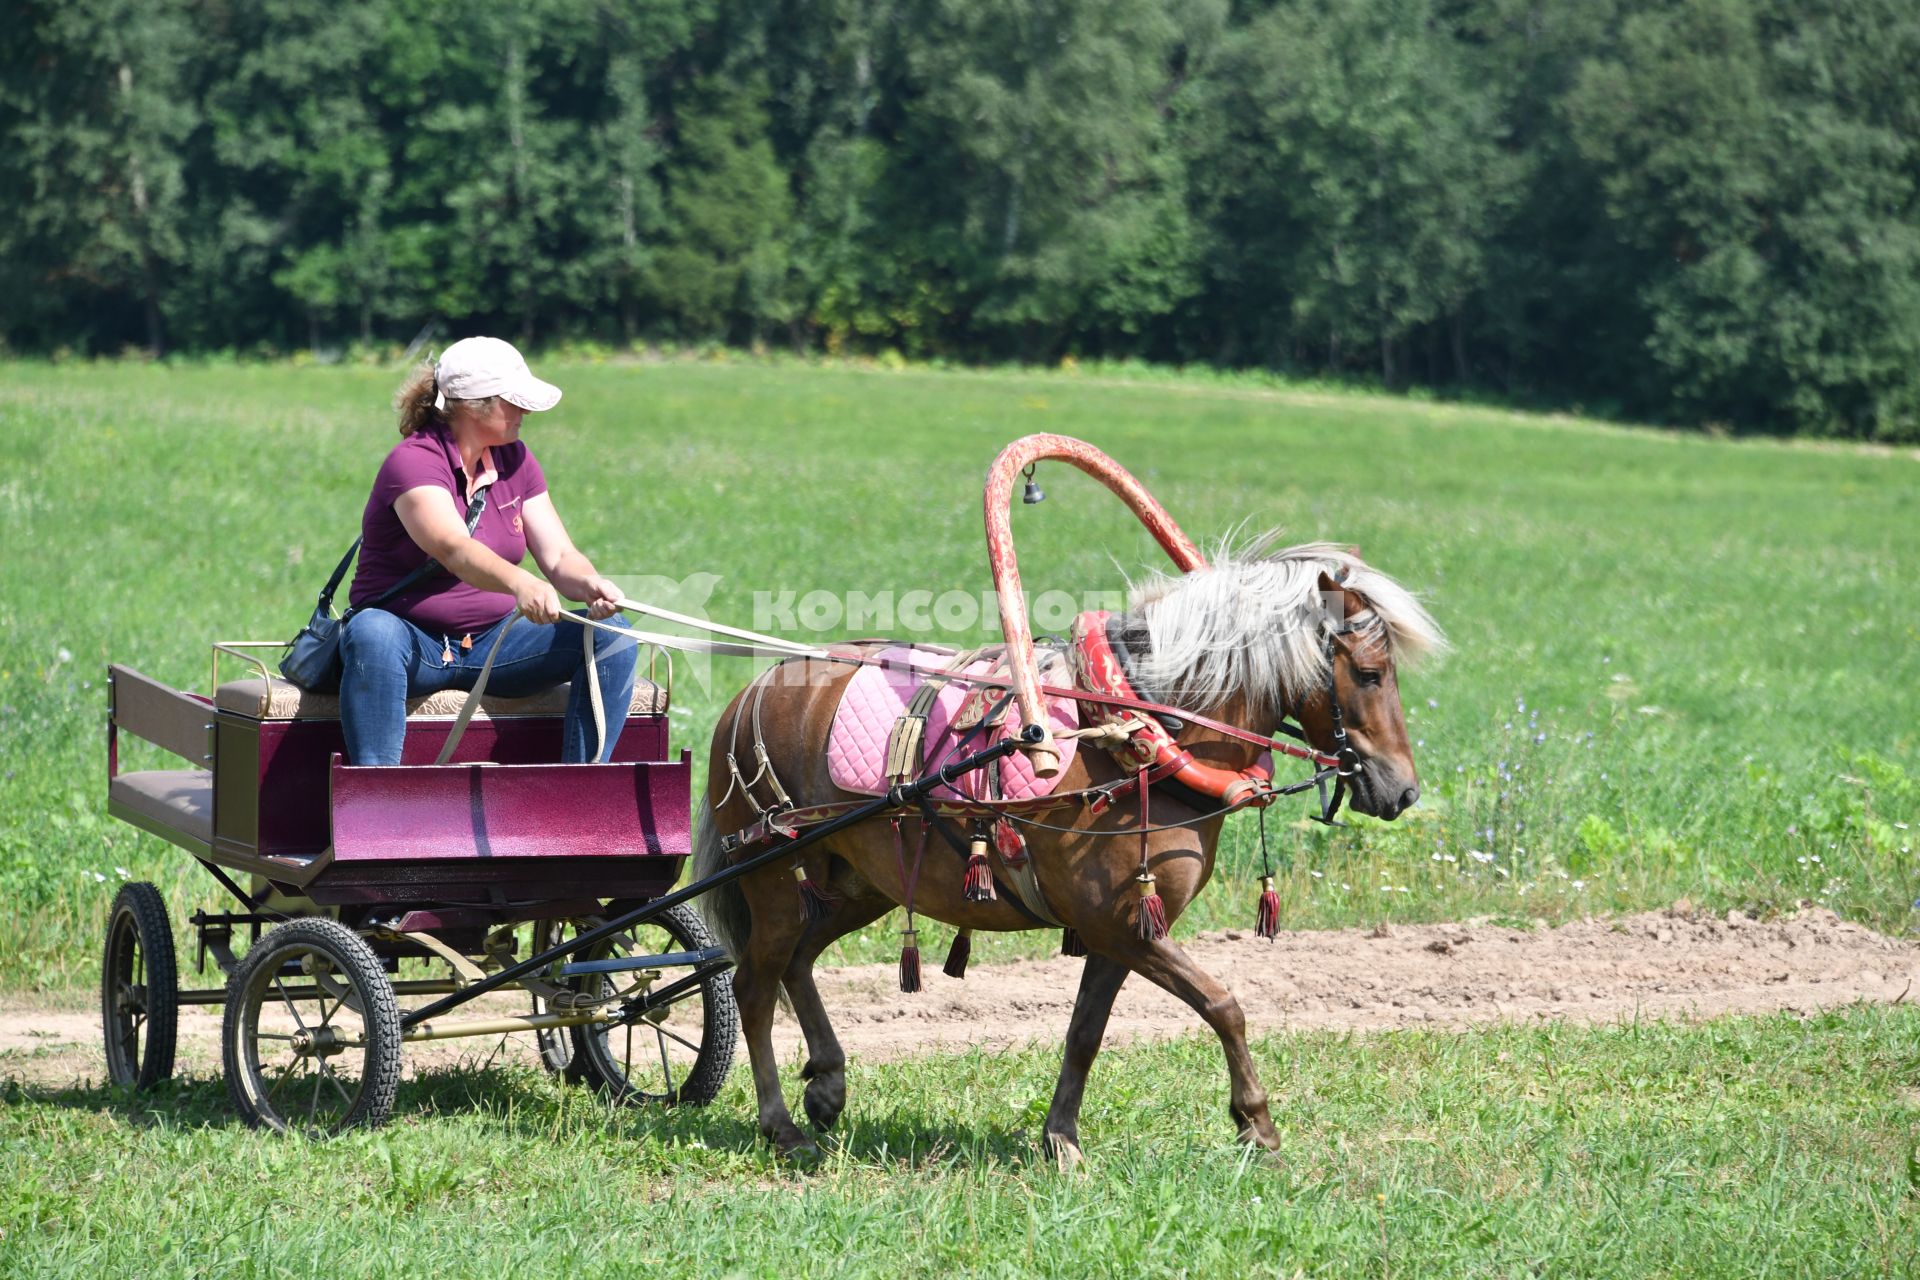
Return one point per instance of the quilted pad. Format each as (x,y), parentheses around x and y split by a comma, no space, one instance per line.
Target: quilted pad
(878,696)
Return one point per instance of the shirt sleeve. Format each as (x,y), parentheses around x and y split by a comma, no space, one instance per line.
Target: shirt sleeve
(409,467)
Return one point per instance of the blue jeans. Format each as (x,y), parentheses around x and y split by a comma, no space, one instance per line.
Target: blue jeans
(388,660)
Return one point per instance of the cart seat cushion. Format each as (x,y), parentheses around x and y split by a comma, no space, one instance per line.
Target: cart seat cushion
(282,701)
(178,799)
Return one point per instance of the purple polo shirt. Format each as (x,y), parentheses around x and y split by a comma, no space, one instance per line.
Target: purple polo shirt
(440,604)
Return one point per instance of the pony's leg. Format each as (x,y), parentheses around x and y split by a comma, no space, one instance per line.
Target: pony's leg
(1099,983)
(777,926)
(826,1069)
(1165,965)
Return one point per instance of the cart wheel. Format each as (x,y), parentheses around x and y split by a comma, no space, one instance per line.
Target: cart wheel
(139,989)
(679,1053)
(555,1044)
(311,1039)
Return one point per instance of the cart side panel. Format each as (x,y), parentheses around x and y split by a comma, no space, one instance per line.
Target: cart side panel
(415,832)
(273,773)
(173,721)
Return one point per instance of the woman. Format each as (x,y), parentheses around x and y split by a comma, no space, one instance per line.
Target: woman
(460,428)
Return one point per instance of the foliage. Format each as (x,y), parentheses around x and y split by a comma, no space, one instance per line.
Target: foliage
(1697,211)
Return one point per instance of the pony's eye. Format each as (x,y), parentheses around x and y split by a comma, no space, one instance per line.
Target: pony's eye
(1370,679)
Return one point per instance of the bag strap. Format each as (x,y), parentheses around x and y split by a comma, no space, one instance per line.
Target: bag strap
(339,572)
(475,507)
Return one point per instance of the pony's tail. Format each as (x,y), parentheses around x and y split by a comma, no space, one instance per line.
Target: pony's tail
(725,908)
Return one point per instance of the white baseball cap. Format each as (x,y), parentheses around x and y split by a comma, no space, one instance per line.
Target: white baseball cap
(475,368)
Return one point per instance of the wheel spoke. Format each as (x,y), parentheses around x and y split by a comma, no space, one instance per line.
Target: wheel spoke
(313,1107)
(285,1073)
(270,1035)
(338,1004)
(666,1068)
(288,1001)
(341,1089)
(676,1036)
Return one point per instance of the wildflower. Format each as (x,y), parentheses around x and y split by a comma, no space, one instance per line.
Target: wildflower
(1579,885)
(1345,885)
(1816,857)
(97,877)
(1802,859)
(1433,702)
(1479,856)
(65,655)
(1539,738)
(1316,875)
(123,873)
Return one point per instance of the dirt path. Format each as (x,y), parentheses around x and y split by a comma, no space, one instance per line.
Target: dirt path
(1663,965)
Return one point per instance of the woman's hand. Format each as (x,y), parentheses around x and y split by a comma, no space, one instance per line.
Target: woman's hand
(603,598)
(537,600)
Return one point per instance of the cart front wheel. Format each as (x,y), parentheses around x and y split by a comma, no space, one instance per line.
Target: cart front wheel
(311,1039)
(139,989)
(679,1052)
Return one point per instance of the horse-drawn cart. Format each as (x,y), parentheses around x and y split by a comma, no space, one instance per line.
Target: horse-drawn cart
(358,892)
(378,886)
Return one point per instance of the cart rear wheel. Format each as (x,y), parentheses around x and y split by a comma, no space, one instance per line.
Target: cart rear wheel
(311,1038)
(139,989)
(680,1053)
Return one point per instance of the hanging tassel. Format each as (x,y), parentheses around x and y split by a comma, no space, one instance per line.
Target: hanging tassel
(1152,922)
(909,960)
(1070,944)
(979,883)
(957,954)
(1009,843)
(816,903)
(1267,919)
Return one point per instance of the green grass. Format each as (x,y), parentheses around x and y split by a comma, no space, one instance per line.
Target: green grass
(1746,1147)
(1684,666)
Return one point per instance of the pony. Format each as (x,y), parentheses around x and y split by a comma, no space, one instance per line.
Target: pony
(1252,639)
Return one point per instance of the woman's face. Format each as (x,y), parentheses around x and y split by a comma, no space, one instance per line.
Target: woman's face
(493,423)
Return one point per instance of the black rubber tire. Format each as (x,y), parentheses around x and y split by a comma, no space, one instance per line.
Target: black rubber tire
(139,989)
(614,1070)
(260,982)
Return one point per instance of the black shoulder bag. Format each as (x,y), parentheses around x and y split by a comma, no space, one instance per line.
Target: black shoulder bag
(312,660)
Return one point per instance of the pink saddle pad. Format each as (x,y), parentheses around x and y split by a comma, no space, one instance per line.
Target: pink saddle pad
(878,696)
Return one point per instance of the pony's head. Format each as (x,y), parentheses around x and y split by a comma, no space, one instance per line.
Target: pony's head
(1300,631)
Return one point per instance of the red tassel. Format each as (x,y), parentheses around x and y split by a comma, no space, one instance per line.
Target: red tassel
(1009,843)
(1152,922)
(1267,919)
(979,882)
(1070,944)
(816,902)
(957,955)
(910,962)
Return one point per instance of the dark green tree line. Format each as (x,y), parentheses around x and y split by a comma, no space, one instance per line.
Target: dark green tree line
(1699,211)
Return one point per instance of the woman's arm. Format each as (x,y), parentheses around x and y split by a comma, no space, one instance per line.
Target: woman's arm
(563,563)
(435,525)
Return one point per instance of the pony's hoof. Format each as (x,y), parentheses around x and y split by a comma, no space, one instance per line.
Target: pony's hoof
(1064,1152)
(824,1102)
(793,1146)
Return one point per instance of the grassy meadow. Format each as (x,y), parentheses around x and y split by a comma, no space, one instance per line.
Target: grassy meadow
(1683,667)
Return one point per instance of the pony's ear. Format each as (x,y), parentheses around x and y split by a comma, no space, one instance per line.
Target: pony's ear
(1355,553)
(1333,597)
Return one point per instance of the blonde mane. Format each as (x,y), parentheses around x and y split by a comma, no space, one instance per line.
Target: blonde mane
(1253,623)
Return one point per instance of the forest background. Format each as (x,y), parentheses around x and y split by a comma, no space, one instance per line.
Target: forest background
(1703,212)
